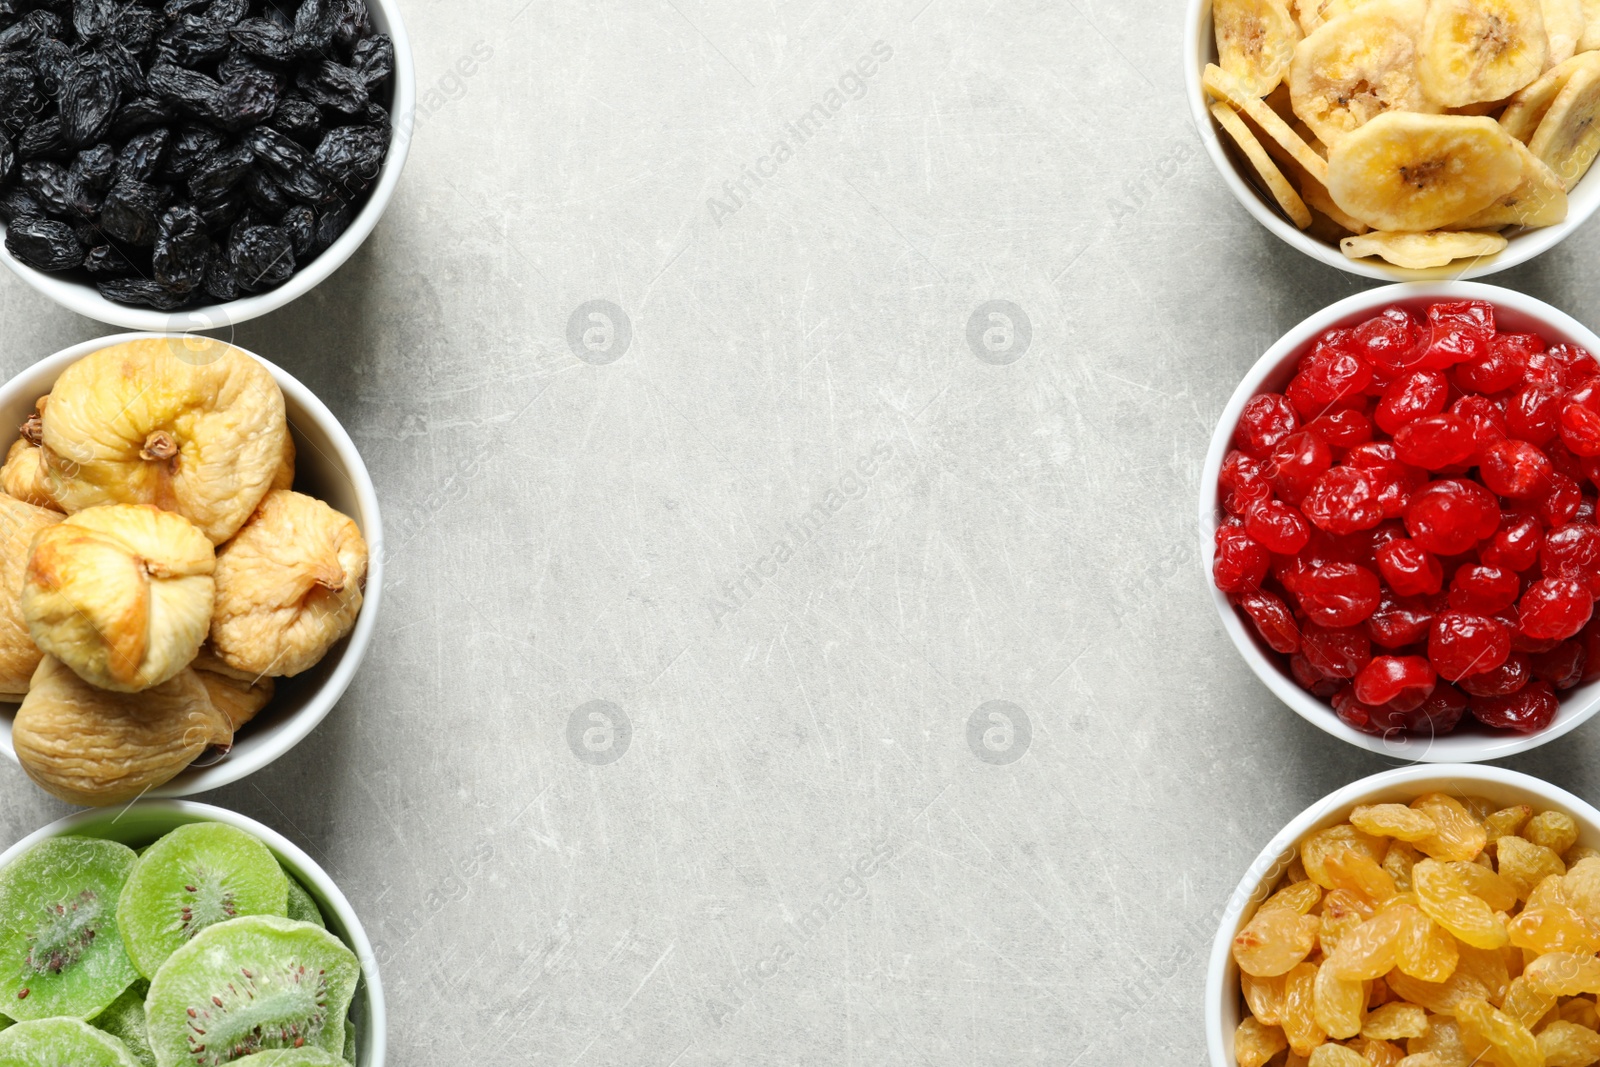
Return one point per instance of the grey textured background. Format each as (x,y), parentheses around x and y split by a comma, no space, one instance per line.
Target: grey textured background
(561,531)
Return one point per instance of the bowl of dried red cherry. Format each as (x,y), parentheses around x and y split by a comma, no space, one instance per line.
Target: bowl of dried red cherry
(1425,916)
(191,164)
(1399,520)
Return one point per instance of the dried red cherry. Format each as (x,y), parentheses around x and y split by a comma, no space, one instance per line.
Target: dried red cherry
(1410,569)
(1554,609)
(1278,528)
(1343,500)
(1531,709)
(1296,464)
(1265,422)
(1484,590)
(1534,413)
(1412,396)
(1335,653)
(1449,517)
(1563,666)
(1344,428)
(1310,679)
(1458,332)
(1390,342)
(1274,622)
(1403,682)
(1516,544)
(1401,622)
(1339,595)
(1515,468)
(1462,644)
(1435,441)
(1327,378)
(1504,680)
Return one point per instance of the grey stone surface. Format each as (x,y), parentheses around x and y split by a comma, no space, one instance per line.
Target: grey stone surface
(808,852)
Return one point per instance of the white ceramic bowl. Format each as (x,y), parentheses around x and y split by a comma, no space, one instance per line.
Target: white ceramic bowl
(327,466)
(87,301)
(1224,1003)
(142,823)
(1201,48)
(1470,743)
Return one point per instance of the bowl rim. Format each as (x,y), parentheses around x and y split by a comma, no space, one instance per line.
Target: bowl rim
(81,298)
(295,730)
(1221,982)
(1450,749)
(1524,245)
(374,1048)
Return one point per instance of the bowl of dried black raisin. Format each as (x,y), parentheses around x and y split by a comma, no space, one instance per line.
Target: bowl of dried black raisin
(190,164)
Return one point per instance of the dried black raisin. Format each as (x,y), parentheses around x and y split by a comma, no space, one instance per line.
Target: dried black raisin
(92,18)
(130,75)
(247,99)
(263,256)
(46,181)
(221,281)
(350,22)
(193,144)
(181,251)
(264,39)
(300,223)
(89,98)
(313,29)
(218,213)
(265,194)
(351,156)
(192,41)
(8,158)
(332,224)
(16,203)
(335,86)
(374,58)
(289,165)
(44,244)
(107,261)
(43,138)
(88,178)
(131,212)
(228,12)
(141,113)
(301,120)
(221,171)
(143,291)
(141,157)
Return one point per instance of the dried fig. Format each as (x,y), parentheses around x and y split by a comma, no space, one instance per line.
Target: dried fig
(93,747)
(122,594)
(288,586)
(193,426)
(20,523)
(283,478)
(23,476)
(238,695)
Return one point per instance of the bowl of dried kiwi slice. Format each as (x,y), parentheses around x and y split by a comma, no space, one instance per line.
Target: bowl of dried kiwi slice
(191,165)
(180,933)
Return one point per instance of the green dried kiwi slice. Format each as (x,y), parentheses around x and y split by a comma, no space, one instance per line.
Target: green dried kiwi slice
(198,875)
(249,985)
(124,1020)
(59,1043)
(302,908)
(296,1057)
(61,951)
(350,1043)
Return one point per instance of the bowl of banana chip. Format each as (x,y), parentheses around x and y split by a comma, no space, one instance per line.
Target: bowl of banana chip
(1403,139)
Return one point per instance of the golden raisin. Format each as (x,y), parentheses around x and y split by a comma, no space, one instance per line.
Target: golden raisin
(1339,1004)
(1438,997)
(1578,853)
(1274,941)
(1486,885)
(1581,1010)
(1299,1010)
(1395,1021)
(1564,974)
(1300,897)
(1443,895)
(1515,1042)
(1378,994)
(1426,950)
(1552,928)
(1460,836)
(1431,1059)
(1337,1056)
(1525,864)
(1526,1004)
(1376,1052)
(1398,862)
(1565,1044)
(1507,821)
(1264,996)
(1342,912)
(1582,883)
(1488,967)
(1554,830)
(1316,849)
(1443,1040)
(1255,1044)
(1359,873)
(1394,820)
(1370,950)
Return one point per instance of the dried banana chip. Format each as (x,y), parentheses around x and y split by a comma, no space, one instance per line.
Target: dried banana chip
(1421,251)
(1255,41)
(1540,200)
(1313,14)
(1276,183)
(1528,108)
(1413,173)
(1226,87)
(1357,67)
(1591,26)
(1564,26)
(1475,50)
(1567,138)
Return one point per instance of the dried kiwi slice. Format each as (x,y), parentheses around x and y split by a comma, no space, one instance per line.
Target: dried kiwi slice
(57,1042)
(124,1020)
(249,985)
(302,908)
(195,877)
(296,1057)
(61,952)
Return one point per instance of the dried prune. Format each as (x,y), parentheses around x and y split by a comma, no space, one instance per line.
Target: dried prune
(88,178)
(142,291)
(264,39)
(301,120)
(131,212)
(181,250)
(374,58)
(44,244)
(89,98)
(351,156)
(263,256)
(335,86)
(140,159)
(107,261)
(220,171)
(47,182)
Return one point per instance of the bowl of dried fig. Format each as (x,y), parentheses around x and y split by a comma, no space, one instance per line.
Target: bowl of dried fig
(190,567)
(191,166)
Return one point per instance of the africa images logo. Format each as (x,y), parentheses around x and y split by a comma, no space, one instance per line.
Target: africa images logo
(851,85)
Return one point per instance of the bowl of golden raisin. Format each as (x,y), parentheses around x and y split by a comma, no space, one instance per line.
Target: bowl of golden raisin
(190,563)
(1433,916)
